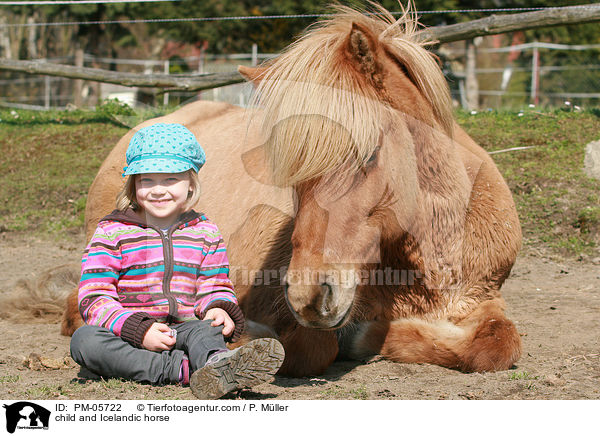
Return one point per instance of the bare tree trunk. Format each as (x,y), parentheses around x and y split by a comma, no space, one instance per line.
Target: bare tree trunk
(32,38)
(43,39)
(65,38)
(5,48)
(16,35)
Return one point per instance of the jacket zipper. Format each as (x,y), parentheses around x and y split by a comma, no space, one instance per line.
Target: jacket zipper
(169,265)
(167,254)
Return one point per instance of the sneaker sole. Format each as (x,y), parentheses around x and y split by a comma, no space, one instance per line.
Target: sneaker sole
(253,364)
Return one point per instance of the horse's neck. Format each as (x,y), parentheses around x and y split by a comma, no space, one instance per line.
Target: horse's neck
(435,241)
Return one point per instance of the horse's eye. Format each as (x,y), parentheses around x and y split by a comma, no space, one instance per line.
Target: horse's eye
(373,157)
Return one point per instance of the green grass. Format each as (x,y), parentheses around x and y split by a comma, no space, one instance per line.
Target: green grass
(337,392)
(360,393)
(589,219)
(49,160)
(523,375)
(549,186)
(9,378)
(42,392)
(46,170)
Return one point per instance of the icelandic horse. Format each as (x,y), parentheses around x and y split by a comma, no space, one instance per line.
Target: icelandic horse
(360,218)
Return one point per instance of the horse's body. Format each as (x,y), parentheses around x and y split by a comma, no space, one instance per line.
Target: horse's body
(396,228)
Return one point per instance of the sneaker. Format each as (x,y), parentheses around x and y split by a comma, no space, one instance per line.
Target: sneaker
(245,367)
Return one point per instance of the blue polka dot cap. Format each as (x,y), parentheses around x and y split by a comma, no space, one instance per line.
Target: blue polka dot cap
(163,148)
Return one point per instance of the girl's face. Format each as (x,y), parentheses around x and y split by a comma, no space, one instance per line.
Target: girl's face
(162,196)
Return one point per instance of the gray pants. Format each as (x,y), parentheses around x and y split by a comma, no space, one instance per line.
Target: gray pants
(102,352)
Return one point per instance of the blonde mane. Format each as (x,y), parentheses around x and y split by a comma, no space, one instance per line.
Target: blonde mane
(316,104)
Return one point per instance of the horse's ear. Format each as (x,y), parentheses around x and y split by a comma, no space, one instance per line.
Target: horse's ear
(361,48)
(252,74)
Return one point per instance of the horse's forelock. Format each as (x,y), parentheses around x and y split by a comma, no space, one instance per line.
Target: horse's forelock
(320,114)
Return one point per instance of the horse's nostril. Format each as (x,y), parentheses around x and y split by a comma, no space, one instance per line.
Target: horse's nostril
(326,298)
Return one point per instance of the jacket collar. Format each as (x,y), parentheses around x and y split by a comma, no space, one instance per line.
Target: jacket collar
(131,217)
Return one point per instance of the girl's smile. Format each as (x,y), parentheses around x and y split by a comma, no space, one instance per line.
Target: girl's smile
(162,196)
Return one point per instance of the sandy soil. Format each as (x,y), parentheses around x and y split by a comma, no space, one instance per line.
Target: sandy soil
(555,305)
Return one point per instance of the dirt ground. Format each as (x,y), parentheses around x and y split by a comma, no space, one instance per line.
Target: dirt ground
(555,305)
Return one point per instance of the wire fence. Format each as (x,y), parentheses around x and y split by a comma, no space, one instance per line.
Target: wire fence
(502,76)
(418,13)
(521,74)
(20,90)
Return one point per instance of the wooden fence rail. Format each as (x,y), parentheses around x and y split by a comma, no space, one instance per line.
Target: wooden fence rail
(495,24)
(485,26)
(169,82)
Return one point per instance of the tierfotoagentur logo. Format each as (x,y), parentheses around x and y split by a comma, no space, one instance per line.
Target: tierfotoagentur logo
(376,277)
(24,415)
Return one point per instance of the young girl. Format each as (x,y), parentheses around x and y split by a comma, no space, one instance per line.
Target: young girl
(154,292)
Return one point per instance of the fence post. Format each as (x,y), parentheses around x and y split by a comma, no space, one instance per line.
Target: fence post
(201,60)
(78,83)
(47,92)
(471,85)
(254,54)
(166,96)
(535,74)
(148,70)
(201,63)
(5,47)
(461,91)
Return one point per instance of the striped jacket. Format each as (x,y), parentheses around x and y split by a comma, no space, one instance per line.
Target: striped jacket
(134,274)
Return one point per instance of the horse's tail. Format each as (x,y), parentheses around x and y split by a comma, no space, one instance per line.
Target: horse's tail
(40,299)
(485,340)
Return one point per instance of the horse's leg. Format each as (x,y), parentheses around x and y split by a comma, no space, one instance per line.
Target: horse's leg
(485,340)
(493,344)
(307,351)
(71,320)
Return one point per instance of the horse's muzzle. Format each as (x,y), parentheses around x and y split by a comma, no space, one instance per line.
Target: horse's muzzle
(323,306)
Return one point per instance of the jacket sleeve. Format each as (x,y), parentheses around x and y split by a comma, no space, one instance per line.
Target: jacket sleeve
(214,288)
(98,297)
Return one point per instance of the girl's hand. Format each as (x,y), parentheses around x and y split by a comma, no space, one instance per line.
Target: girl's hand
(221,317)
(156,338)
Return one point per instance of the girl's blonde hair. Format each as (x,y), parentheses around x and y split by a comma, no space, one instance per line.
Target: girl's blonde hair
(126,198)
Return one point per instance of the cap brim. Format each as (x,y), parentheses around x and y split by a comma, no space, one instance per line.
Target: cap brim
(157,165)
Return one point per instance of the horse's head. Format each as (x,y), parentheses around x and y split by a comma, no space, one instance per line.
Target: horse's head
(346,107)
(341,219)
